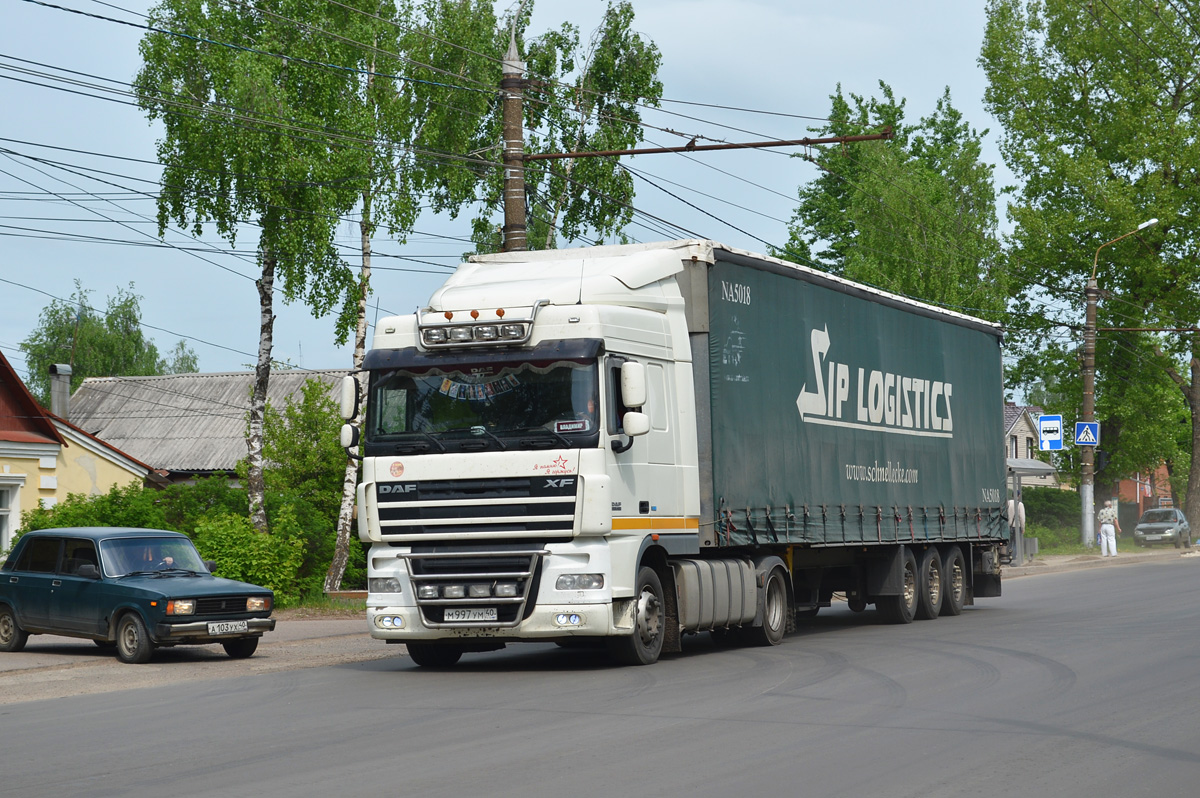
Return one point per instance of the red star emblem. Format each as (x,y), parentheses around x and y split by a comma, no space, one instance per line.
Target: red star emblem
(560,463)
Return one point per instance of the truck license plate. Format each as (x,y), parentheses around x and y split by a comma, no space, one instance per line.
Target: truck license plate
(462,614)
(227,627)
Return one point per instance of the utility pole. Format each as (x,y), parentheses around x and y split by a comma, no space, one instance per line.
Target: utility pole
(1087,487)
(1087,493)
(512,86)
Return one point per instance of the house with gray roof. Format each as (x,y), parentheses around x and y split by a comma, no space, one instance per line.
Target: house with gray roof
(182,425)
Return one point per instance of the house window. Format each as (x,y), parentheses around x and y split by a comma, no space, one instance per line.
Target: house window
(1029,450)
(1012,447)
(10,508)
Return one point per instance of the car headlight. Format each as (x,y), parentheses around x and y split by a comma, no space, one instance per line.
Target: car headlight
(258,604)
(181,607)
(383,584)
(580,582)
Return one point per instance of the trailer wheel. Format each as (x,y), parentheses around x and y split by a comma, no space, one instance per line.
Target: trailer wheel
(645,644)
(775,612)
(433,655)
(954,582)
(902,608)
(856,603)
(929,576)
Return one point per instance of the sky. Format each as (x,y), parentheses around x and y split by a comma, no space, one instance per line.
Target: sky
(75,170)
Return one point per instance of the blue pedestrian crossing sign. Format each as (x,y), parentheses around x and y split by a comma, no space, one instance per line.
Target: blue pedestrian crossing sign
(1050,434)
(1087,433)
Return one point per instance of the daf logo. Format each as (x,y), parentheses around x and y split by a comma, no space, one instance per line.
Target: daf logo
(398,488)
(560,483)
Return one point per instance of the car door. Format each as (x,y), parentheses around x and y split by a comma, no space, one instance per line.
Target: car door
(76,601)
(30,582)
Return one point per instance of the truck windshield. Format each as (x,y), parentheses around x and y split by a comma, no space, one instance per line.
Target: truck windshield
(508,404)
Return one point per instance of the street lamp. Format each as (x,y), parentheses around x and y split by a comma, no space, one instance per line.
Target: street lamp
(1087,492)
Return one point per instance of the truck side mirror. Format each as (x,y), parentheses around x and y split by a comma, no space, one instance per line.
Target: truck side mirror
(634,423)
(348,398)
(633,384)
(348,438)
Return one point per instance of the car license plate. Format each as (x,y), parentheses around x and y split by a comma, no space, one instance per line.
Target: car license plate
(464,614)
(1153,537)
(227,627)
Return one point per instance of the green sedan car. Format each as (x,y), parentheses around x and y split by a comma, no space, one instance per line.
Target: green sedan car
(132,590)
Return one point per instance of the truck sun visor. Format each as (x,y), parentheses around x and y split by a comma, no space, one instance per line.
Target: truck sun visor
(413,358)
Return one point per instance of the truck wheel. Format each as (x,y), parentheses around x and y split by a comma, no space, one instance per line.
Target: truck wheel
(433,655)
(856,603)
(645,644)
(775,611)
(929,578)
(12,637)
(133,642)
(954,582)
(901,608)
(240,648)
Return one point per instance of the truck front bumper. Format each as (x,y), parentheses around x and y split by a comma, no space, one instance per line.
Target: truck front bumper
(546,622)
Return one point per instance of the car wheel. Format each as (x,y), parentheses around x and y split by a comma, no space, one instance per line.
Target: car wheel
(240,648)
(12,636)
(902,608)
(649,624)
(434,655)
(133,642)
(954,582)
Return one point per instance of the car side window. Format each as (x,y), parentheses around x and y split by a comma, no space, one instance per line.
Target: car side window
(77,552)
(40,556)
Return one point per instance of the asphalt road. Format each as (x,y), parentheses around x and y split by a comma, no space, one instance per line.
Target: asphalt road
(1080,683)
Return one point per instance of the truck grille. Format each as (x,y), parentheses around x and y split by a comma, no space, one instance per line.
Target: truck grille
(444,569)
(529,506)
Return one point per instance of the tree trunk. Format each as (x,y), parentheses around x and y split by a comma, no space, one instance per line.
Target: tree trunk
(255,486)
(1191,393)
(341,548)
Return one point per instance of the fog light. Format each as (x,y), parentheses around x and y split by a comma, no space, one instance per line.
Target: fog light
(487,332)
(512,331)
(480,591)
(454,591)
(389,621)
(568,619)
(434,336)
(427,591)
(460,333)
(506,589)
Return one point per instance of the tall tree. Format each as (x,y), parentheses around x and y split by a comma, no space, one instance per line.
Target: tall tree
(97,343)
(250,98)
(1098,105)
(914,215)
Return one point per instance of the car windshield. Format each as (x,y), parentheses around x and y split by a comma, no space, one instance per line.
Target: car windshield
(122,556)
(483,400)
(1158,517)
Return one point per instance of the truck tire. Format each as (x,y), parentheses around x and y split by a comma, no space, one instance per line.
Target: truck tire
(954,581)
(902,608)
(775,612)
(12,636)
(133,641)
(645,644)
(433,655)
(929,580)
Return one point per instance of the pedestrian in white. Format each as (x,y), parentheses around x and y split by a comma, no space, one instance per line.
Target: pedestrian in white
(1109,528)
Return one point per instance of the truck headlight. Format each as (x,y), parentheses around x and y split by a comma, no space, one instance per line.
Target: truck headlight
(181,607)
(434,336)
(580,582)
(383,584)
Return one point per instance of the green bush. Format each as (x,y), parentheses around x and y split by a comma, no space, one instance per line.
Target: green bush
(1051,507)
(130,506)
(244,554)
(1049,538)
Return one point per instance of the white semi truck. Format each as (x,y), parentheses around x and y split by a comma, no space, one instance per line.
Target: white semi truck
(625,445)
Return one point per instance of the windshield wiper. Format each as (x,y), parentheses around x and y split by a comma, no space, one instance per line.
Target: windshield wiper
(398,445)
(141,573)
(479,429)
(544,431)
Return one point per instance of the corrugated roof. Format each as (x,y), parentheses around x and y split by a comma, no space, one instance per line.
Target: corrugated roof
(181,422)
